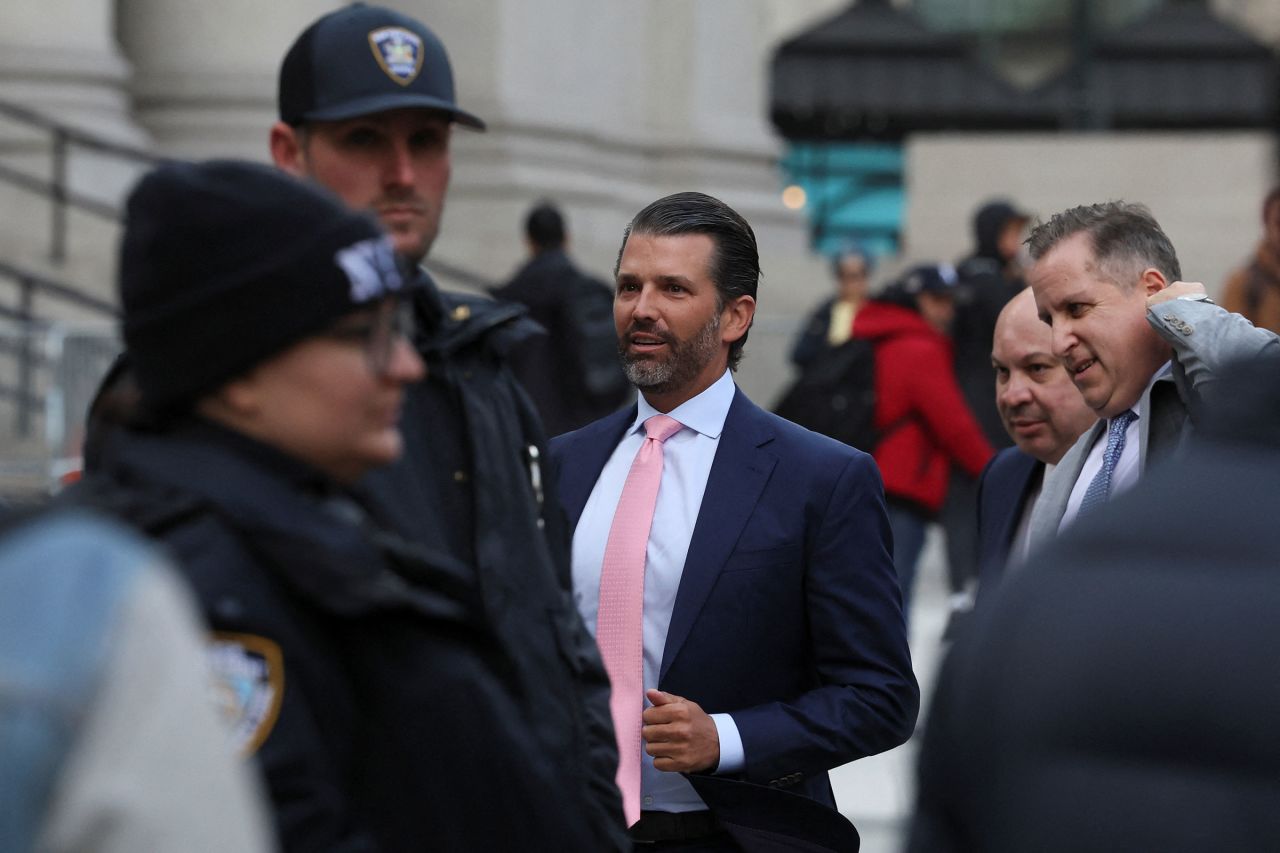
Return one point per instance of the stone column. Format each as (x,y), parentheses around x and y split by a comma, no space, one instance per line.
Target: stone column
(205,73)
(59,58)
(606,107)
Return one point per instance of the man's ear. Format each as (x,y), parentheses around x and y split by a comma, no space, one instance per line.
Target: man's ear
(286,149)
(737,316)
(1152,281)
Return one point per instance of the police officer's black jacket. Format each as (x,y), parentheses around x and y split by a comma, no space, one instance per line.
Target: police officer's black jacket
(473,481)
(393,732)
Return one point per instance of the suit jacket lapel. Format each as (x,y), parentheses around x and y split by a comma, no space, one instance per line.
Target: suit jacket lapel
(737,479)
(584,457)
(1027,473)
(1056,492)
(1161,422)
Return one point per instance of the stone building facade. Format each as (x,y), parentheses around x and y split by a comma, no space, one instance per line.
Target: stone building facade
(602,106)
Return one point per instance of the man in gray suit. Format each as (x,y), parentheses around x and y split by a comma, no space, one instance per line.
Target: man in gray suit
(1142,347)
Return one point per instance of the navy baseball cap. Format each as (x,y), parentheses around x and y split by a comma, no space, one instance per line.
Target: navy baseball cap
(365,59)
(930,278)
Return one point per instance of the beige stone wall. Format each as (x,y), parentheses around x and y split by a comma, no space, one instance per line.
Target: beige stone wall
(601,106)
(1205,189)
(1261,18)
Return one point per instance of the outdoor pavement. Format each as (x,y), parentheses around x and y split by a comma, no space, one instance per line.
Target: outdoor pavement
(877,793)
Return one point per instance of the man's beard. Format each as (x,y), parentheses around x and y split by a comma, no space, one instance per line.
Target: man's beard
(684,362)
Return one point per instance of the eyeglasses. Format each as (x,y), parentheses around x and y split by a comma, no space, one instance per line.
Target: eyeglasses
(376,329)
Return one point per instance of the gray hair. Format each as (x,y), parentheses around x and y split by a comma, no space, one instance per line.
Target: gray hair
(1126,240)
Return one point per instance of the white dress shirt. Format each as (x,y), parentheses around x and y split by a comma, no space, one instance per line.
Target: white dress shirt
(686,463)
(1128,467)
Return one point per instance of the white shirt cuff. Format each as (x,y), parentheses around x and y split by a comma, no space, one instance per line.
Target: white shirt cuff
(732,758)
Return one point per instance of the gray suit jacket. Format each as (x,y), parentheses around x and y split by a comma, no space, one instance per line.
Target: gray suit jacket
(1204,338)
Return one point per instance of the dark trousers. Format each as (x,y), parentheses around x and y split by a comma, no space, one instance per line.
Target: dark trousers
(909,527)
(722,843)
(693,832)
(959,519)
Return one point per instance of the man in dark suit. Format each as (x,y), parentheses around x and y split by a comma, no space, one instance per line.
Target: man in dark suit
(1043,413)
(772,646)
(1121,696)
(571,374)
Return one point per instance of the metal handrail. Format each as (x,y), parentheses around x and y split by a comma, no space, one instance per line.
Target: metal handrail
(52,190)
(62,138)
(83,138)
(46,286)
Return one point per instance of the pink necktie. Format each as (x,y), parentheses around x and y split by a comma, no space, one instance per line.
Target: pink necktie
(620,623)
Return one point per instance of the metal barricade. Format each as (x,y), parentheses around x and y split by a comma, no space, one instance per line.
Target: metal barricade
(49,372)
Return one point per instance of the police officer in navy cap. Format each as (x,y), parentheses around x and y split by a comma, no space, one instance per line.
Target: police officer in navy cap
(367,108)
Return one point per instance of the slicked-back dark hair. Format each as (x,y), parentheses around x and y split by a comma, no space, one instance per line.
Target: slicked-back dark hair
(544,226)
(735,263)
(1126,239)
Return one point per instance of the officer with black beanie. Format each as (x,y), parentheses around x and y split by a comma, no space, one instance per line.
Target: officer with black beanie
(264,325)
(226,263)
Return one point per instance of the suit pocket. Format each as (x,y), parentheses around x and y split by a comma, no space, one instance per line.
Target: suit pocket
(779,556)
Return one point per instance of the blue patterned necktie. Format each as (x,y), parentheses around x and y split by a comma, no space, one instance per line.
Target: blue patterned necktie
(1100,489)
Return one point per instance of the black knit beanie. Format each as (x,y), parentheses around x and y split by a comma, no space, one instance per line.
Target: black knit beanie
(227,263)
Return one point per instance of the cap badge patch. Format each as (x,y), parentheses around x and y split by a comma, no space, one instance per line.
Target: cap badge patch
(371,268)
(399,53)
(248,686)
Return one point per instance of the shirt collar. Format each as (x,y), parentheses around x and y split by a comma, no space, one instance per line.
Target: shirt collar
(705,413)
(1163,373)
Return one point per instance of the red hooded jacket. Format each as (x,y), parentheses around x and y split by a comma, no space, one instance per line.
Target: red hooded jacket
(925,422)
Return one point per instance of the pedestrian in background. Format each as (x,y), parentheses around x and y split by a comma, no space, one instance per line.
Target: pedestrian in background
(1254,289)
(571,370)
(831,324)
(989,278)
(924,423)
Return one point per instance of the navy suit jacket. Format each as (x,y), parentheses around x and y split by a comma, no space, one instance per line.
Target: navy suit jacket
(788,613)
(1003,489)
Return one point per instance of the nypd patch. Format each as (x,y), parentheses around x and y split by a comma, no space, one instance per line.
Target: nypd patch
(248,686)
(371,269)
(399,53)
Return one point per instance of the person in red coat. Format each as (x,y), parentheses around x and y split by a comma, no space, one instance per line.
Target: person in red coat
(924,423)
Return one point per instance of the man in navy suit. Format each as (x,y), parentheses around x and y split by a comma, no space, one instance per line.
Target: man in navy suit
(774,645)
(1043,413)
